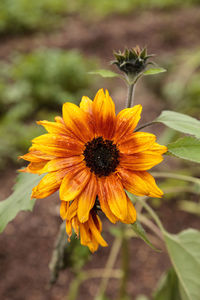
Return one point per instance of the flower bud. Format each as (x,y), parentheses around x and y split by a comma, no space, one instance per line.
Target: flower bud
(132,61)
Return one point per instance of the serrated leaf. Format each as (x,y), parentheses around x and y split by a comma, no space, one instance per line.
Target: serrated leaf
(180,122)
(168,287)
(19,200)
(104,73)
(139,230)
(184,251)
(154,71)
(186,148)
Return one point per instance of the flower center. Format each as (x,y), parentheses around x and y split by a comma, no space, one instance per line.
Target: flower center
(101,156)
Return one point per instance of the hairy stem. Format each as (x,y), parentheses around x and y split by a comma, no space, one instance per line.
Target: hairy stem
(130,98)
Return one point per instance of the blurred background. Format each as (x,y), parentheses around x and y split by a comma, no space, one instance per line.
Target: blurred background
(47,49)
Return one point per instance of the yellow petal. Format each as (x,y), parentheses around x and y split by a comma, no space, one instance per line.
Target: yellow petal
(78,122)
(104,115)
(127,120)
(74,183)
(113,192)
(69,229)
(35,167)
(139,183)
(63,209)
(131,213)
(86,105)
(104,203)
(54,127)
(49,184)
(36,156)
(96,233)
(61,163)
(137,142)
(154,190)
(86,199)
(57,145)
(140,161)
(72,209)
(156,148)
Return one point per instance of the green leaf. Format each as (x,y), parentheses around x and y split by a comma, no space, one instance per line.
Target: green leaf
(154,71)
(104,73)
(184,252)
(139,230)
(168,287)
(180,122)
(186,148)
(19,200)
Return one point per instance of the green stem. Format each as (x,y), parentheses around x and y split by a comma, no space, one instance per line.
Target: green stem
(109,266)
(145,125)
(74,287)
(125,267)
(176,176)
(152,213)
(130,98)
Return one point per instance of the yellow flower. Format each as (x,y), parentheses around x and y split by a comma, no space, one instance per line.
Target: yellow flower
(91,155)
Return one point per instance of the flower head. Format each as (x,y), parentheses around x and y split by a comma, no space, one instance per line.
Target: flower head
(92,156)
(132,61)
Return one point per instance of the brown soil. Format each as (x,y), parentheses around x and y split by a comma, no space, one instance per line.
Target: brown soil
(26,244)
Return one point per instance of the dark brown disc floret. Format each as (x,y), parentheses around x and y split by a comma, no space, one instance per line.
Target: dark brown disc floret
(101,156)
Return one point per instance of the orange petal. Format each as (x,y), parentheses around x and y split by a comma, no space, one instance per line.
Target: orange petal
(104,203)
(86,199)
(75,224)
(63,209)
(60,120)
(54,127)
(127,120)
(49,184)
(36,156)
(69,229)
(137,142)
(85,234)
(35,167)
(61,163)
(86,105)
(140,161)
(57,145)
(139,183)
(72,209)
(156,148)
(96,232)
(154,190)
(131,215)
(113,192)
(74,183)
(78,122)
(104,115)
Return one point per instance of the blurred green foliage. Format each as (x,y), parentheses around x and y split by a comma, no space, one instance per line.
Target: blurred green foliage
(182,88)
(105,7)
(34,86)
(23,15)
(179,86)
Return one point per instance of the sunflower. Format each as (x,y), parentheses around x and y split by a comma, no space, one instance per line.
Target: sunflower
(92,156)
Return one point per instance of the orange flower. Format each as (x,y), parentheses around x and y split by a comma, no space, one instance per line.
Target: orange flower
(92,155)
(90,231)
